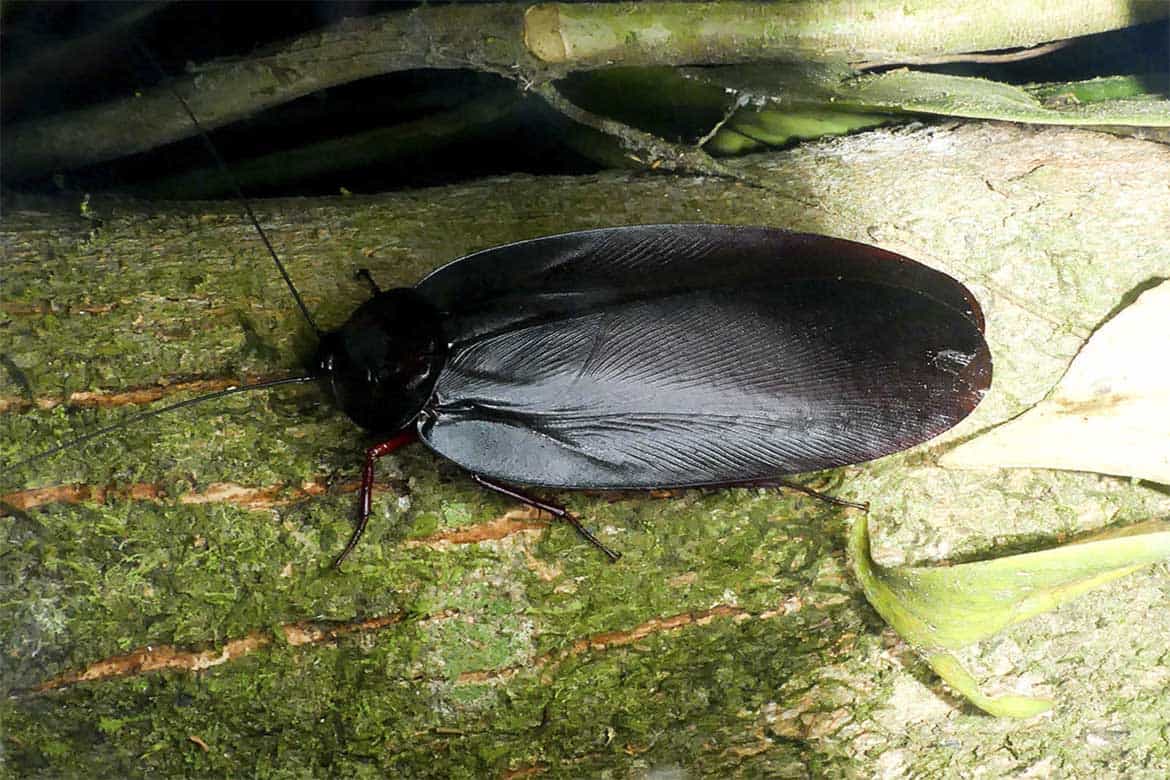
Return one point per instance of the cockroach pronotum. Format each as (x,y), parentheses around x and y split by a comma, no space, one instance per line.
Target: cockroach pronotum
(652,356)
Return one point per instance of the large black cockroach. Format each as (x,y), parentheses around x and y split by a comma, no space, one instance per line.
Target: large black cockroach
(660,356)
(654,356)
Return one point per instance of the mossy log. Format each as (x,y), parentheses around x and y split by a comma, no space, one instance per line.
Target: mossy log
(168,606)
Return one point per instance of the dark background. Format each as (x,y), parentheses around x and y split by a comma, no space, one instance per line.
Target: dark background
(57,56)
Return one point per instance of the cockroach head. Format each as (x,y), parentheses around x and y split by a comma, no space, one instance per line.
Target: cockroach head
(382,364)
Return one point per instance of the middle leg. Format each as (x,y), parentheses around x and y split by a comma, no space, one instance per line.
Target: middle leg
(556,511)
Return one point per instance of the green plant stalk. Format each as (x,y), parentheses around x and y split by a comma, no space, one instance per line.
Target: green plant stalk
(1132,100)
(594,34)
(812,100)
(1092,103)
(750,130)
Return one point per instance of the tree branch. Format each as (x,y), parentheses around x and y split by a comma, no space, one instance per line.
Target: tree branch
(600,34)
(475,37)
(547,41)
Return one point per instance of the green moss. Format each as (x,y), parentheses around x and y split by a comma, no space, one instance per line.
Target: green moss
(333,708)
(814,689)
(213,582)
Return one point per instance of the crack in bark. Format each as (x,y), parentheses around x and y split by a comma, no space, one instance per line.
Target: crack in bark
(22,308)
(168,657)
(217,492)
(128,397)
(516,521)
(513,522)
(158,658)
(607,639)
(532,770)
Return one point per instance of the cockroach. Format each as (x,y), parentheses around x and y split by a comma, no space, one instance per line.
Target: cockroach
(659,356)
(650,357)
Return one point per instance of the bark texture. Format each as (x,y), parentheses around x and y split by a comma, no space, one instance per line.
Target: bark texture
(170,584)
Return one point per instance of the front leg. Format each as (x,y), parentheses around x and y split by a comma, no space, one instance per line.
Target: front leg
(366,493)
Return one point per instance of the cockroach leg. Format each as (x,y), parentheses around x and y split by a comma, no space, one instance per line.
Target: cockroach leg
(558,512)
(364,275)
(366,493)
(790,485)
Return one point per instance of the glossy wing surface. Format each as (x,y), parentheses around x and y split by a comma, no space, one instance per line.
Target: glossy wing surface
(738,377)
(556,274)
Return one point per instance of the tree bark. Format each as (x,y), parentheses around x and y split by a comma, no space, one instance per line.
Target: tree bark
(167,603)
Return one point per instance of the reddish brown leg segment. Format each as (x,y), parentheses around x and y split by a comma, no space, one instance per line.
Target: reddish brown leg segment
(558,512)
(366,493)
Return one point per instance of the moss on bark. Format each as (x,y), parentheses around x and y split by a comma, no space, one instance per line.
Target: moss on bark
(728,640)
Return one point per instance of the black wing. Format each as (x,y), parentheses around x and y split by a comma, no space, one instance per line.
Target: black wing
(643,357)
(554,274)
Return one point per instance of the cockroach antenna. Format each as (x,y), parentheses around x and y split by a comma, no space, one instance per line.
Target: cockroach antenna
(85,437)
(219,161)
(235,389)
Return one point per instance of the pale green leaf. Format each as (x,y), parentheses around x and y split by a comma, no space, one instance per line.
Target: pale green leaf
(948,607)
